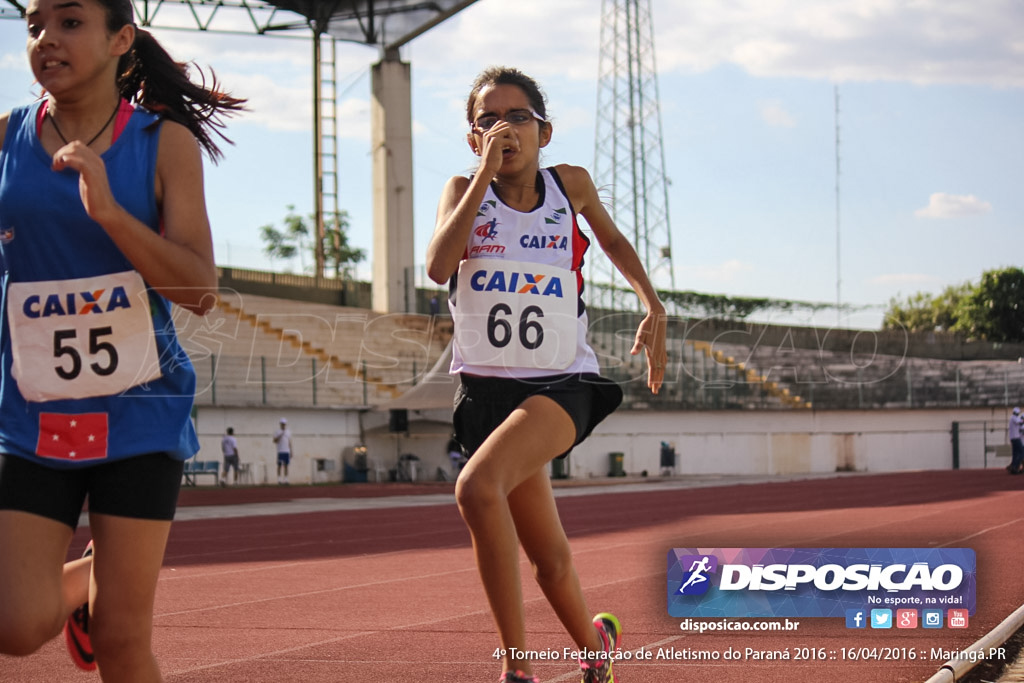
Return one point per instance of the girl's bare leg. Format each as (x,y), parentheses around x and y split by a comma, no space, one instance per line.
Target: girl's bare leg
(520,448)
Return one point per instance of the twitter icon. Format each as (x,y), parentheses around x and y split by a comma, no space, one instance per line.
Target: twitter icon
(881,618)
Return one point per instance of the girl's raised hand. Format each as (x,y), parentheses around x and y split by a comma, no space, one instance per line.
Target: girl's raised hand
(93,185)
(650,338)
(500,137)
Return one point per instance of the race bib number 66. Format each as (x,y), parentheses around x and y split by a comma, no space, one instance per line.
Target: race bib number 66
(515,314)
(81,338)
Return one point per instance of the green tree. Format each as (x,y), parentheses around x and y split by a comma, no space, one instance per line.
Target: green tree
(924,312)
(289,242)
(994,310)
(297,239)
(339,255)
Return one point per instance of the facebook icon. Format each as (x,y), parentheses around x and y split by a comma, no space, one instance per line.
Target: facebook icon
(856,618)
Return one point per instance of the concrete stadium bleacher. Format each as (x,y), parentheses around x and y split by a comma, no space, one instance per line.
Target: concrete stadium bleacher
(697,376)
(257,350)
(830,379)
(718,364)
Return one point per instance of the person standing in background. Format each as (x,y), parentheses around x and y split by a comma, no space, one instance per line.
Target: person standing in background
(1016,446)
(283,439)
(455,455)
(229,447)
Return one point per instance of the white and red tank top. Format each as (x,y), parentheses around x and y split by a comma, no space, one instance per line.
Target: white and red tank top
(517,297)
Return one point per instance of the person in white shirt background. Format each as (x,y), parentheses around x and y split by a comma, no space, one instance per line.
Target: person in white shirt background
(1016,445)
(229,447)
(283,439)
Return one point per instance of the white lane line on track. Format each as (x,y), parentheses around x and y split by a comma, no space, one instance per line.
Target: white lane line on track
(338,639)
(982,532)
(565,677)
(292,596)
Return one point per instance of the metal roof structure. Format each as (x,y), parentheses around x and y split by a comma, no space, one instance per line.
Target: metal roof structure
(386,23)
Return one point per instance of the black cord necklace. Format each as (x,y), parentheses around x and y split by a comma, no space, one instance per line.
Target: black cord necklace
(94,137)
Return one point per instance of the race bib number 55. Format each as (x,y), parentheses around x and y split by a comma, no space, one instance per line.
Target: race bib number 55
(513,314)
(81,338)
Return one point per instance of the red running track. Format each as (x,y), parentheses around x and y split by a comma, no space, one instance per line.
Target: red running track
(391,595)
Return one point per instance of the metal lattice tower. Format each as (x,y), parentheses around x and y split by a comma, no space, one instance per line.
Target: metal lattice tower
(629,157)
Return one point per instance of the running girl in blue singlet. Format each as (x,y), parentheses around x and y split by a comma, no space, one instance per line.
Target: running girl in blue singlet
(508,242)
(103,225)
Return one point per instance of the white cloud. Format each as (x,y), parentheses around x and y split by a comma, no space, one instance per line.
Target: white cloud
(926,41)
(943,205)
(774,114)
(272,104)
(540,37)
(19,87)
(919,280)
(923,42)
(726,271)
(14,62)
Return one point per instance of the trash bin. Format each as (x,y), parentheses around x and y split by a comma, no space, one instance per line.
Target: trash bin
(560,468)
(354,464)
(667,458)
(407,466)
(353,475)
(615,462)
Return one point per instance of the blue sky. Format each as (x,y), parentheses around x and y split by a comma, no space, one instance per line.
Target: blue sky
(931,141)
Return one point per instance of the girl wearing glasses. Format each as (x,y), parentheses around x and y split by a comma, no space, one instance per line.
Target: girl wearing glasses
(101,213)
(508,243)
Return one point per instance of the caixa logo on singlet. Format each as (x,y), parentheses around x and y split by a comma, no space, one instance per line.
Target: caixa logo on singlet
(514,282)
(559,242)
(75,303)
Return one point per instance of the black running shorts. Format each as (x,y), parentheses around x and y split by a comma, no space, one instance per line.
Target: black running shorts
(483,403)
(141,487)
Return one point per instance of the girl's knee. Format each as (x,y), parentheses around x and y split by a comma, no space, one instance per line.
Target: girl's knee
(119,643)
(552,568)
(20,637)
(475,493)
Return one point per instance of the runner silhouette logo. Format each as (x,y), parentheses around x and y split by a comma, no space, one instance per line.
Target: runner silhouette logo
(697,580)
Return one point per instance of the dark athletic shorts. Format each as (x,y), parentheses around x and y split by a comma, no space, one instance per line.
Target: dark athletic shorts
(141,487)
(483,403)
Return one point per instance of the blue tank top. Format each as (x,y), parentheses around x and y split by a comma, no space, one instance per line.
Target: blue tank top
(63,278)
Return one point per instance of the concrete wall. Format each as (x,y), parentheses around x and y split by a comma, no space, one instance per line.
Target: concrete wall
(321,434)
(786,442)
(706,442)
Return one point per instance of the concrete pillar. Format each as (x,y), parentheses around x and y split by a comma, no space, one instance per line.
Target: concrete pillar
(391,139)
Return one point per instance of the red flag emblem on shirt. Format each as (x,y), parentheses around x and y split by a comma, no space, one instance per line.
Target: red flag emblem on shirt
(72,437)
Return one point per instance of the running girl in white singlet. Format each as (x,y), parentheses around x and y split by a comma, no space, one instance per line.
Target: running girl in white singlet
(508,243)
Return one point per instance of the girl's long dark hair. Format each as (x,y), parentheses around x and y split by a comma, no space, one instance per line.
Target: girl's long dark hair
(150,77)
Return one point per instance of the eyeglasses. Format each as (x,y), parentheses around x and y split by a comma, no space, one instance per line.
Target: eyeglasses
(516,117)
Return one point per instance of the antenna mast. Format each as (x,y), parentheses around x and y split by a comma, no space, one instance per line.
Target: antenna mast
(839,299)
(629,157)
